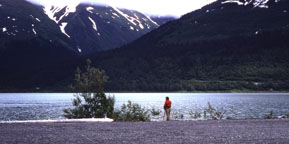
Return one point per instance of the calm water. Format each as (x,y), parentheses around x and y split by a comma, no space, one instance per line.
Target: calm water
(50,106)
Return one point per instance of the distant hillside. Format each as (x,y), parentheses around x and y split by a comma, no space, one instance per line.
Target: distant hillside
(162,19)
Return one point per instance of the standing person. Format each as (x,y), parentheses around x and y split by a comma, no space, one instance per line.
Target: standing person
(167,107)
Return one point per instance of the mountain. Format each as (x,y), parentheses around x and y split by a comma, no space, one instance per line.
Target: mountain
(223,19)
(97,28)
(29,37)
(227,45)
(80,30)
(32,37)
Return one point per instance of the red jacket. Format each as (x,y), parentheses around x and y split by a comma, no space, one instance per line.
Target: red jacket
(168,104)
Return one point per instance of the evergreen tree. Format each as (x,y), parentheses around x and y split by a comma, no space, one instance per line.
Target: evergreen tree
(90,100)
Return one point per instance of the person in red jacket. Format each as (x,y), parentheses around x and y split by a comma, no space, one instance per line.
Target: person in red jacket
(167,107)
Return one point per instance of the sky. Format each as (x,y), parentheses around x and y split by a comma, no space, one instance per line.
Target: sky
(151,7)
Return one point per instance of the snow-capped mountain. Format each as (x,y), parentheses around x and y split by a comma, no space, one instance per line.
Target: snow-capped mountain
(33,36)
(222,46)
(28,35)
(22,20)
(82,29)
(97,28)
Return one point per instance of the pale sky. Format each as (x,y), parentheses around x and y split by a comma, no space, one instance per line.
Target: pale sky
(153,7)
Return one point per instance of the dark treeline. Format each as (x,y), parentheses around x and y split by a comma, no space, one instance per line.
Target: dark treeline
(256,62)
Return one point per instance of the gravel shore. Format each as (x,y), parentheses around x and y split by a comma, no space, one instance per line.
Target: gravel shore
(175,132)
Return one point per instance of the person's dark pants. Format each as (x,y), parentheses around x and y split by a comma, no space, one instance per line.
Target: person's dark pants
(168,112)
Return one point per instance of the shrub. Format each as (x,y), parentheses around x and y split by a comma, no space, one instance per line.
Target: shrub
(195,115)
(269,116)
(177,115)
(131,112)
(214,113)
(155,112)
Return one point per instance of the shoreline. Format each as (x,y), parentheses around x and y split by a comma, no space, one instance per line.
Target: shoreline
(110,120)
(209,92)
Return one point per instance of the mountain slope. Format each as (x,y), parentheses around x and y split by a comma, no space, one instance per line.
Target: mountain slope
(99,28)
(28,37)
(223,46)
(223,19)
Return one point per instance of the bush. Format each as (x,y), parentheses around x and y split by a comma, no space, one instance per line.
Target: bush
(269,116)
(92,101)
(155,112)
(214,113)
(177,115)
(195,115)
(131,112)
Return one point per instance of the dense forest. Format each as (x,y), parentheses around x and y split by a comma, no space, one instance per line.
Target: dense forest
(256,62)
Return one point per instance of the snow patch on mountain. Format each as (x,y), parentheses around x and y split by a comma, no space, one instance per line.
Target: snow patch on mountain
(255,3)
(62,28)
(152,21)
(132,20)
(116,14)
(4,29)
(50,11)
(79,49)
(34,31)
(38,19)
(93,23)
(90,9)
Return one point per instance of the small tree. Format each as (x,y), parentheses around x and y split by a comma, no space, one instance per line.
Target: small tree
(90,100)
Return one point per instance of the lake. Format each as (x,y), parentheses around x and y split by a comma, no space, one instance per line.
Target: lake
(34,106)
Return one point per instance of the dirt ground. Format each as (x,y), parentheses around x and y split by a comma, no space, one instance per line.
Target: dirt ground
(175,132)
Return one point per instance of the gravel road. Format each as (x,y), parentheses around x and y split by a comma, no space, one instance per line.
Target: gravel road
(175,132)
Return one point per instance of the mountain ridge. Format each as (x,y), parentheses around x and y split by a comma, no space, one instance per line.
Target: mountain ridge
(125,25)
